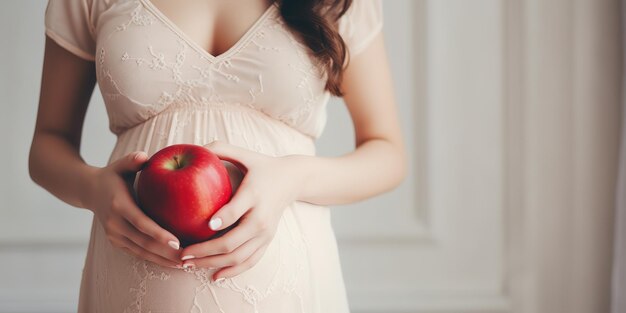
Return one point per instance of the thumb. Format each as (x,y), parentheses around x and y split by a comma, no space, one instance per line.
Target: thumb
(131,162)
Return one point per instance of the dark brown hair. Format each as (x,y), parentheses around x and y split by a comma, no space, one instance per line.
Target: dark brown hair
(316,23)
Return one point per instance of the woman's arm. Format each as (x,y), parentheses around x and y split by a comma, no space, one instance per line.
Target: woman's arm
(378,163)
(54,162)
(56,165)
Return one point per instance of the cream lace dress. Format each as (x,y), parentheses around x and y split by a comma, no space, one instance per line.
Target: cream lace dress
(264,94)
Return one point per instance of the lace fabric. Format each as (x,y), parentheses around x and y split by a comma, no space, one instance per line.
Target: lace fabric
(264,94)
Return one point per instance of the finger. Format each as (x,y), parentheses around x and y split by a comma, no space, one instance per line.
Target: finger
(130,247)
(240,157)
(224,244)
(230,212)
(131,162)
(233,271)
(238,256)
(146,225)
(148,243)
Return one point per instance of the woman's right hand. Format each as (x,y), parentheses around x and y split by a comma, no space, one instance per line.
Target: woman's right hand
(111,199)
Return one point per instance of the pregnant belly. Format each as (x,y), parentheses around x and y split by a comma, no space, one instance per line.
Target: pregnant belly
(282,281)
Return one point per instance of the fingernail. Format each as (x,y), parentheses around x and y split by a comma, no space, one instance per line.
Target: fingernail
(188,265)
(138,154)
(174,244)
(215,223)
(178,266)
(221,279)
(187,257)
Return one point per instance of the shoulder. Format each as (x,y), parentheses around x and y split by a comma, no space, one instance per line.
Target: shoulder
(72,24)
(361,22)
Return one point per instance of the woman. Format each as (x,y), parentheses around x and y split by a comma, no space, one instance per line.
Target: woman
(249,80)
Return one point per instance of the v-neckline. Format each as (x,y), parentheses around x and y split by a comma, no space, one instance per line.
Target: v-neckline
(173,27)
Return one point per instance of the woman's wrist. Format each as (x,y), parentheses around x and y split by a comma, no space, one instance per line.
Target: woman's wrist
(303,170)
(88,187)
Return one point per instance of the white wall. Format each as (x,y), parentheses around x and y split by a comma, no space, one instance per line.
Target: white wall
(509,109)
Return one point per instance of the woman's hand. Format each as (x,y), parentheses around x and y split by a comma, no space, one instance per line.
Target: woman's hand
(270,184)
(126,226)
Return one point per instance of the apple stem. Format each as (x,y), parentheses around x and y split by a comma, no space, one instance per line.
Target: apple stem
(177,162)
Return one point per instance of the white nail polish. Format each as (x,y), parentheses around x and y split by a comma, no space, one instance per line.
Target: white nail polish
(187,257)
(215,223)
(175,245)
(219,280)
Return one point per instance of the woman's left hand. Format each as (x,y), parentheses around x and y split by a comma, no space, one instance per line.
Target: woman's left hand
(270,184)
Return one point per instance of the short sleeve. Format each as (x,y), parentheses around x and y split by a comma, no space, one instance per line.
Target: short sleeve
(68,23)
(360,24)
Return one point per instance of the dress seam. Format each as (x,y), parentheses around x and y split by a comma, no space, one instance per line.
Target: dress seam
(219,107)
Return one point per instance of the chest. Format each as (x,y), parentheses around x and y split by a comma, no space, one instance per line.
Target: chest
(213,24)
(146,64)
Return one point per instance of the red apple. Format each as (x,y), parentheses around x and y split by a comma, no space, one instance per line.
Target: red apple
(181,187)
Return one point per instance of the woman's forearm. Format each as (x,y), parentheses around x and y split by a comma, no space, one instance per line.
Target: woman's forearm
(56,165)
(376,166)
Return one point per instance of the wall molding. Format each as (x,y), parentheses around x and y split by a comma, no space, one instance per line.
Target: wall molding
(446,294)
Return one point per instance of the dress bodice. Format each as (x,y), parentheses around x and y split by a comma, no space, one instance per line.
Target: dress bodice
(146,65)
